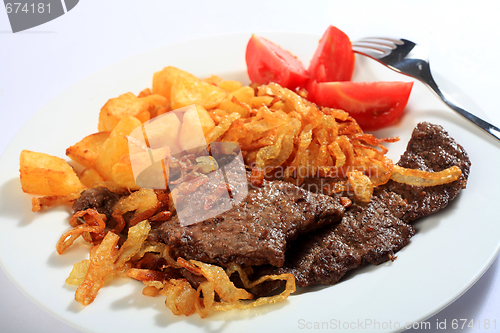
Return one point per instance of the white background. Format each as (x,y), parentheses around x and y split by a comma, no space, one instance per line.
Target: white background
(38,64)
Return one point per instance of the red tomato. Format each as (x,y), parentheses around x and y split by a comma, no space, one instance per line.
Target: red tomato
(333,59)
(373,104)
(267,62)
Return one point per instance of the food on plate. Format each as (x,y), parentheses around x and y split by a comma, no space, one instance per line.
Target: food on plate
(86,151)
(431,149)
(268,62)
(315,197)
(371,233)
(373,104)
(114,148)
(120,107)
(334,59)
(187,90)
(247,234)
(164,79)
(47,175)
(328,81)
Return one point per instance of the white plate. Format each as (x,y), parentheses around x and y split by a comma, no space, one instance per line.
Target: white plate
(450,251)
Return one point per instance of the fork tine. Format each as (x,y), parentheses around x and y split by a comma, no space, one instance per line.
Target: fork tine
(383,40)
(375,51)
(376,54)
(376,47)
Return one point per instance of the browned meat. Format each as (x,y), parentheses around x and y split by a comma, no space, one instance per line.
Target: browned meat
(367,234)
(99,198)
(431,149)
(257,230)
(371,233)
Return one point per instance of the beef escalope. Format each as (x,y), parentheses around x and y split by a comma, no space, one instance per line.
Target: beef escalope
(431,149)
(373,232)
(255,231)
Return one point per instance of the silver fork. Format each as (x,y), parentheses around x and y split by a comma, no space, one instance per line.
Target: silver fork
(406,57)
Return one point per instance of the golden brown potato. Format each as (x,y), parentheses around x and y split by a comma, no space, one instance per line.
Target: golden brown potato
(164,79)
(85,152)
(229,85)
(213,79)
(230,107)
(144,93)
(162,131)
(258,101)
(244,95)
(90,176)
(196,123)
(122,173)
(47,175)
(155,102)
(118,108)
(115,146)
(207,123)
(188,91)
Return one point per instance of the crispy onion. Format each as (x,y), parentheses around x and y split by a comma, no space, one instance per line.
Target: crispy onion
(144,202)
(218,282)
(94,224)
(425,178)
(102,262)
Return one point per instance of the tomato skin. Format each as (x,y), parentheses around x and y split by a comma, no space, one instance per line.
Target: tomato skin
(333,59)
(267,62)
(373,104)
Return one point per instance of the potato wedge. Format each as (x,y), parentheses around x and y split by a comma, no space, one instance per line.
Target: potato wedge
(229,85)
(115,146)
(85,152)
(213,79)
(90,176)
(47,175)
(155,102)
(259,101)
(164,79)
(207,123)
(120,107)
(122,174)
(144,93)
(196,123)
(244,95)
(230,107)
(188,91)
(161,132)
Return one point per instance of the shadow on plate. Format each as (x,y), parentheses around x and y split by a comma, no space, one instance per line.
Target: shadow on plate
(77,252)
(113,282)
(15,204)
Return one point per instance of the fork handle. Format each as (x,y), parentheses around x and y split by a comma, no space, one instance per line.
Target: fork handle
(489,128)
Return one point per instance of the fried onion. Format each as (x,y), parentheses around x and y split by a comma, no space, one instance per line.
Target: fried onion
(425,178)
(94,224)
(102,262)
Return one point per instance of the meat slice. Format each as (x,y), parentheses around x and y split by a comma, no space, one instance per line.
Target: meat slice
(255,231)
(371,233)
(99,198)
(431,149)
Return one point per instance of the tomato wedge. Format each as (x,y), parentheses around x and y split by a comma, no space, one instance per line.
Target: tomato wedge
(333,59)
(373,104)
(267,62)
